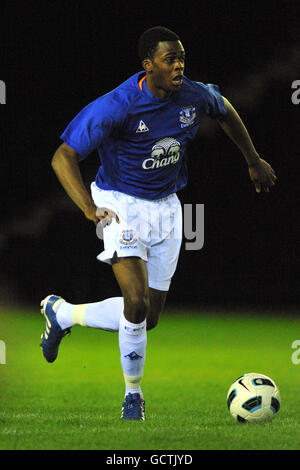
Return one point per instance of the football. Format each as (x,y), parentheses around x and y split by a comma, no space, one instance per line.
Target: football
(253,398)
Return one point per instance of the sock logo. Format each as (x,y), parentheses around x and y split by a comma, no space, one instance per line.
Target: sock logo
(133,356)
(134,331)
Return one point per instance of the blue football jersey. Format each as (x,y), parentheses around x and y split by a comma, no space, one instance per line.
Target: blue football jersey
(140,138)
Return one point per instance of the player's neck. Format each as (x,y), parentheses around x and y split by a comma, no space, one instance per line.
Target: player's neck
(158,92)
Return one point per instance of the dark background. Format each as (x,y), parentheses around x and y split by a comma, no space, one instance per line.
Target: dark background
(57,56)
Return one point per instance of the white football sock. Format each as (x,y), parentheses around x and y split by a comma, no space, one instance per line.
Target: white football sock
(132,343)
(104,315)
(129,389)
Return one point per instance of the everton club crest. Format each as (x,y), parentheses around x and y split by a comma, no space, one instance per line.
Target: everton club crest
(187,116)
(127,237)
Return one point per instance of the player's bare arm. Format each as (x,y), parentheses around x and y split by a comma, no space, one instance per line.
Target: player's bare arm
(260,172)
(66,168)
(65,165)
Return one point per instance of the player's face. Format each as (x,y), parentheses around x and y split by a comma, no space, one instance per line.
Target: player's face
(167,67)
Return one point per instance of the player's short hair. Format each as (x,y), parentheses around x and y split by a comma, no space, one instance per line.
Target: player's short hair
(150,38)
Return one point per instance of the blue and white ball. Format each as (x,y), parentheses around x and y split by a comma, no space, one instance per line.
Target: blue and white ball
(253,398)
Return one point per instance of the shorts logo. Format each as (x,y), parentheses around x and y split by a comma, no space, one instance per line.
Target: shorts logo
(187,116)
(165,152)
(127,237)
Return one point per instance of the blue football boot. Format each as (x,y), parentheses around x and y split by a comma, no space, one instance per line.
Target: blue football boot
(133,407)
(53,333)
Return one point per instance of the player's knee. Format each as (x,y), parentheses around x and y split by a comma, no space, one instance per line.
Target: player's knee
(136,308)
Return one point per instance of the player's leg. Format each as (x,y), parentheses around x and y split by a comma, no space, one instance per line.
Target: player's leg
(157,303)
(131,275)
(104,315)
(163,257)
(61,316)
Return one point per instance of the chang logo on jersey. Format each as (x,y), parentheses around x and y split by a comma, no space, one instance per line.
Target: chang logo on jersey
(165,152)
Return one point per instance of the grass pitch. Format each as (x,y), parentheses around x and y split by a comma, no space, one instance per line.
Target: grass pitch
(192,359)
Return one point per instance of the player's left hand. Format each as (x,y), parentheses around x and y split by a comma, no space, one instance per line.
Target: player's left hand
(262,175)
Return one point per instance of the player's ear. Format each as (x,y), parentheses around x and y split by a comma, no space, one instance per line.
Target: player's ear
(147,65)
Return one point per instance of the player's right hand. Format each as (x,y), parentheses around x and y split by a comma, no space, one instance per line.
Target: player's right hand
(106,215)
(91,214)
(100,214)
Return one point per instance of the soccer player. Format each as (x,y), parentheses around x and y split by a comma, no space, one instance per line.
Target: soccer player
(140,130)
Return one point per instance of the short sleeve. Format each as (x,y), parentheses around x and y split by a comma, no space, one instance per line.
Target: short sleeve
(91,126)
(216,107)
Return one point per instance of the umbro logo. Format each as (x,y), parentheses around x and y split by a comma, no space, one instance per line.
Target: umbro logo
(133,356)
(142,127)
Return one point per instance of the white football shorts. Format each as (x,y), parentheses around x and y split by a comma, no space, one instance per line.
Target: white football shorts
(151,230)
